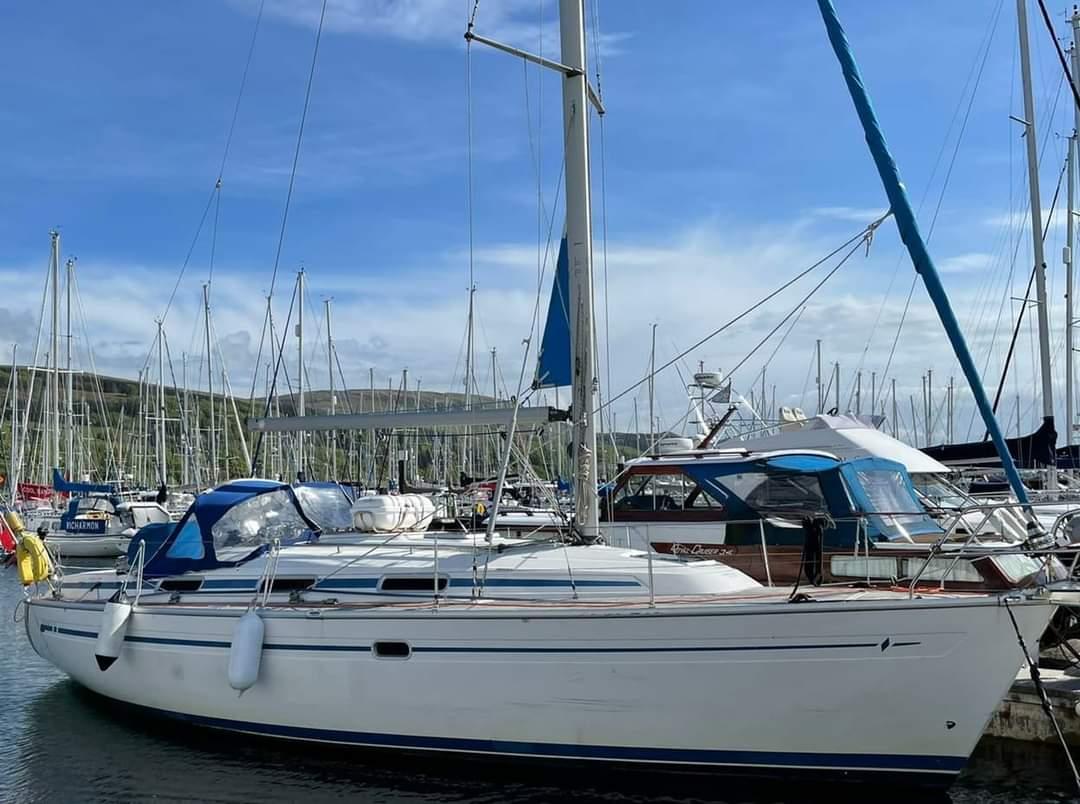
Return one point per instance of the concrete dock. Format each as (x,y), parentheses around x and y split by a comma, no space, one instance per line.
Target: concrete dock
(1021,716)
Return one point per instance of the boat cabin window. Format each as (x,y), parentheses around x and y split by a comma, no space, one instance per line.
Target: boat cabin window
(87,504)
(257,521)
(661,492)
(326,506)
(890,497)
(188,542)
(939,492)
(778,492)
(147,514)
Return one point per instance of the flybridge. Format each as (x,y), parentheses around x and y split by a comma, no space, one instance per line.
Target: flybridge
(477,416)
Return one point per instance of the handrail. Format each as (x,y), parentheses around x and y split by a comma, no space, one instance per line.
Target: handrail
(140,565)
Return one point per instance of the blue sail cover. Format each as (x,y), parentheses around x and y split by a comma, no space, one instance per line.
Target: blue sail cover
(553,367)
(61,485)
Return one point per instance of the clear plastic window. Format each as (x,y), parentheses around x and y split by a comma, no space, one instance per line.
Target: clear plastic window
(144,515)
(900,511)
(888,492)
(87,504)
(258,521)
(778,493)
(328,508)
(661,492)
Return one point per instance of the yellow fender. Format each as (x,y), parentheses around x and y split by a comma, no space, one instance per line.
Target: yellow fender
(30,554)
(14,521)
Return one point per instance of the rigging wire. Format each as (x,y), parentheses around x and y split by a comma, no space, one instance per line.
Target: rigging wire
(272,390)
(1018,226)
(858,240)
(229,138)
(296,151)
(603,205)
(945,182)
(1060,53)
(221,170)
(1027,296)
(470,367)
(776,349)
(288,201)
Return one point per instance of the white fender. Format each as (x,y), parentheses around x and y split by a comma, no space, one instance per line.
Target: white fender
(245,653)
(110,639)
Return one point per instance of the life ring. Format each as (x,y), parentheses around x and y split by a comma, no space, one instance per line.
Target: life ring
(32,559)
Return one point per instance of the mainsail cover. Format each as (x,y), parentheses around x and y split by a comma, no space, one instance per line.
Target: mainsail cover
(1032,451)
(64,486)
(553,366)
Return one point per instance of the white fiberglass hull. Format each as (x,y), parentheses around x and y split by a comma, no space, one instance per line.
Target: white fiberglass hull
(888,687)
(96,546)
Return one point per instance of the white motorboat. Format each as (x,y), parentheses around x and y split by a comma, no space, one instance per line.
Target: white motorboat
(101,526)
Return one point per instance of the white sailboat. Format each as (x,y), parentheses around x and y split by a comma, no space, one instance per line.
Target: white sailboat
(510,652)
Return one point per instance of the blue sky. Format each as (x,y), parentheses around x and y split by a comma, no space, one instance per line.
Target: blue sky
(732,159)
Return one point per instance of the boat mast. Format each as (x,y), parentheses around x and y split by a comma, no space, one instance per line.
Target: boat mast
(1036,225)
(652,390)
(69,424)
(300,371)
(161,405)
(1070,389)
(212,434)
(371,433)
(467,443)
(817,355)
(16,452)
(333,399)
(185,470)
(579,250)
(54,397)
(895,426)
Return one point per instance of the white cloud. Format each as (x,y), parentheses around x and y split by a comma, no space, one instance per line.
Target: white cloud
(965,263)
(1020,221)
(690,282)
(522,23)
(856,214)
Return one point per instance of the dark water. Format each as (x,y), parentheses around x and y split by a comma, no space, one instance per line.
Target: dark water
(60,743)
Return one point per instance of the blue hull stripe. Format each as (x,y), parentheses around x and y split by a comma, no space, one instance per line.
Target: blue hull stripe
(684,649)
(204,643)
(481,649)
(247,585)
(559,583)
(930,764)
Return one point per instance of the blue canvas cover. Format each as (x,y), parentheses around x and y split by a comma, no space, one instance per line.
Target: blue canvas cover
(189,547)
(845,494)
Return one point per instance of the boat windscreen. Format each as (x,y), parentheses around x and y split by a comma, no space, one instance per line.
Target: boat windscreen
(892,500)
(259,520)
(940,492)
(326,506)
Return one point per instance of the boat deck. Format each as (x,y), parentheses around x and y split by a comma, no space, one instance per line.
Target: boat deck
(766,597)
